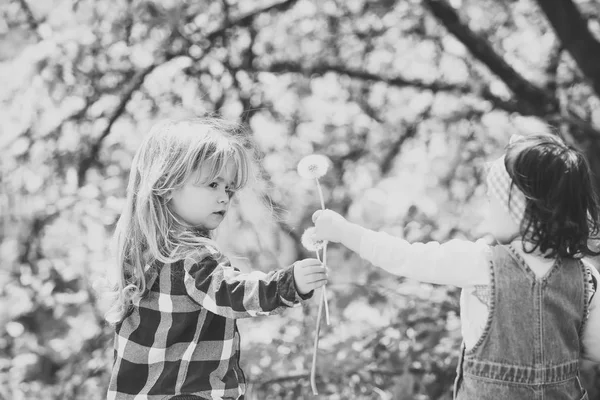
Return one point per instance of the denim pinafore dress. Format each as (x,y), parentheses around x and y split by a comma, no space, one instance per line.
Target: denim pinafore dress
(530,347)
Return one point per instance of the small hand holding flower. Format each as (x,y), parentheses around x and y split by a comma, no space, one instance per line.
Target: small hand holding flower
(309,274)
(329,226)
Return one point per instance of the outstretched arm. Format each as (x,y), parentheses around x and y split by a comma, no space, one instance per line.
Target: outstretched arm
(224,290)
(458,262)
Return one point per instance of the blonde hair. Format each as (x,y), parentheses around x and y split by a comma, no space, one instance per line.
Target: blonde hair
(147,229)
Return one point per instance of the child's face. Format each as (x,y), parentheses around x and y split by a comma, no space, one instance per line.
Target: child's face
(204,203)
(498,221)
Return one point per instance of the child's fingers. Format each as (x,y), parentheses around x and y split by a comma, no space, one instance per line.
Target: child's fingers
(318,276)
(318,284)
(307,262)
(314,269)
(316,215)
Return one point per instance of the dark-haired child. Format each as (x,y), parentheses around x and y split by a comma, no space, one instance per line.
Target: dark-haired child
(528,309)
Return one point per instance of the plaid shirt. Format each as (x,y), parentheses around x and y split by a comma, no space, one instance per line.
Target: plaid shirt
(182,337)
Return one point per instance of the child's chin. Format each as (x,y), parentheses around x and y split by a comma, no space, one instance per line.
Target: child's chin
(207,227)
(212,227)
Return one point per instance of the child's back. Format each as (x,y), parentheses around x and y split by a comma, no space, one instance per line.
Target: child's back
(531,344)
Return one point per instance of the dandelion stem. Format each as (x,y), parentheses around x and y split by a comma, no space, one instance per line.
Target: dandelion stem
(322,302)
(325,286)
(320,194)
(313,368)
(324,292)
(324,253)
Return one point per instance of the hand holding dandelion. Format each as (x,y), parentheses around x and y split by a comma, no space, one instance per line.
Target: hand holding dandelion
(314,167)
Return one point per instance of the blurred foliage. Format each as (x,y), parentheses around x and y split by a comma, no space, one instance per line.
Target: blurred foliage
(408,98)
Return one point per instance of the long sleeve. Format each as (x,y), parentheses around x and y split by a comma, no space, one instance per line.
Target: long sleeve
(225,291)
(457,262)
(591,332)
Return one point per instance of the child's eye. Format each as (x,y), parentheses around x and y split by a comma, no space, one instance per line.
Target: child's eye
(230,192)
(213,185)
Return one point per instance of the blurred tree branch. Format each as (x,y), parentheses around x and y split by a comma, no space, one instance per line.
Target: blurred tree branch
(323,68)
(139,77)
(243,21)
(538,101)
(31,20)
(395,147)
(572,30)
(530,99)
(552,67)
(87,161)
(247,19)
(510,105)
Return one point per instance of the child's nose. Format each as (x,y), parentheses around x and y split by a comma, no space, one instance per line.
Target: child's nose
(223,197)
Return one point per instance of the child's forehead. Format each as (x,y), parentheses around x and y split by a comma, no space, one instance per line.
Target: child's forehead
(227,173)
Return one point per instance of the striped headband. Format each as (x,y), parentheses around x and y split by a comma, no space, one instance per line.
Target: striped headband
(500,185)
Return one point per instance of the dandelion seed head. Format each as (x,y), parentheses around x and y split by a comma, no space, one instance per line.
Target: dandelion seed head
(309,242)
(313,166)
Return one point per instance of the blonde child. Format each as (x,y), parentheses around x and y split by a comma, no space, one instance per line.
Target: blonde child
(177,296)
(528,309)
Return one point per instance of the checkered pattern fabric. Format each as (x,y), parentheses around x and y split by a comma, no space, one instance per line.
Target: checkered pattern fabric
(499,184)
(182,338)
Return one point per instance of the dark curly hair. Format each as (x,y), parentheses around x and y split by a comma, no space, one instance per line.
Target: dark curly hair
(561,214)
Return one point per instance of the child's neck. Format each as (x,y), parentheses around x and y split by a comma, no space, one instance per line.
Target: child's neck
(518,245)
